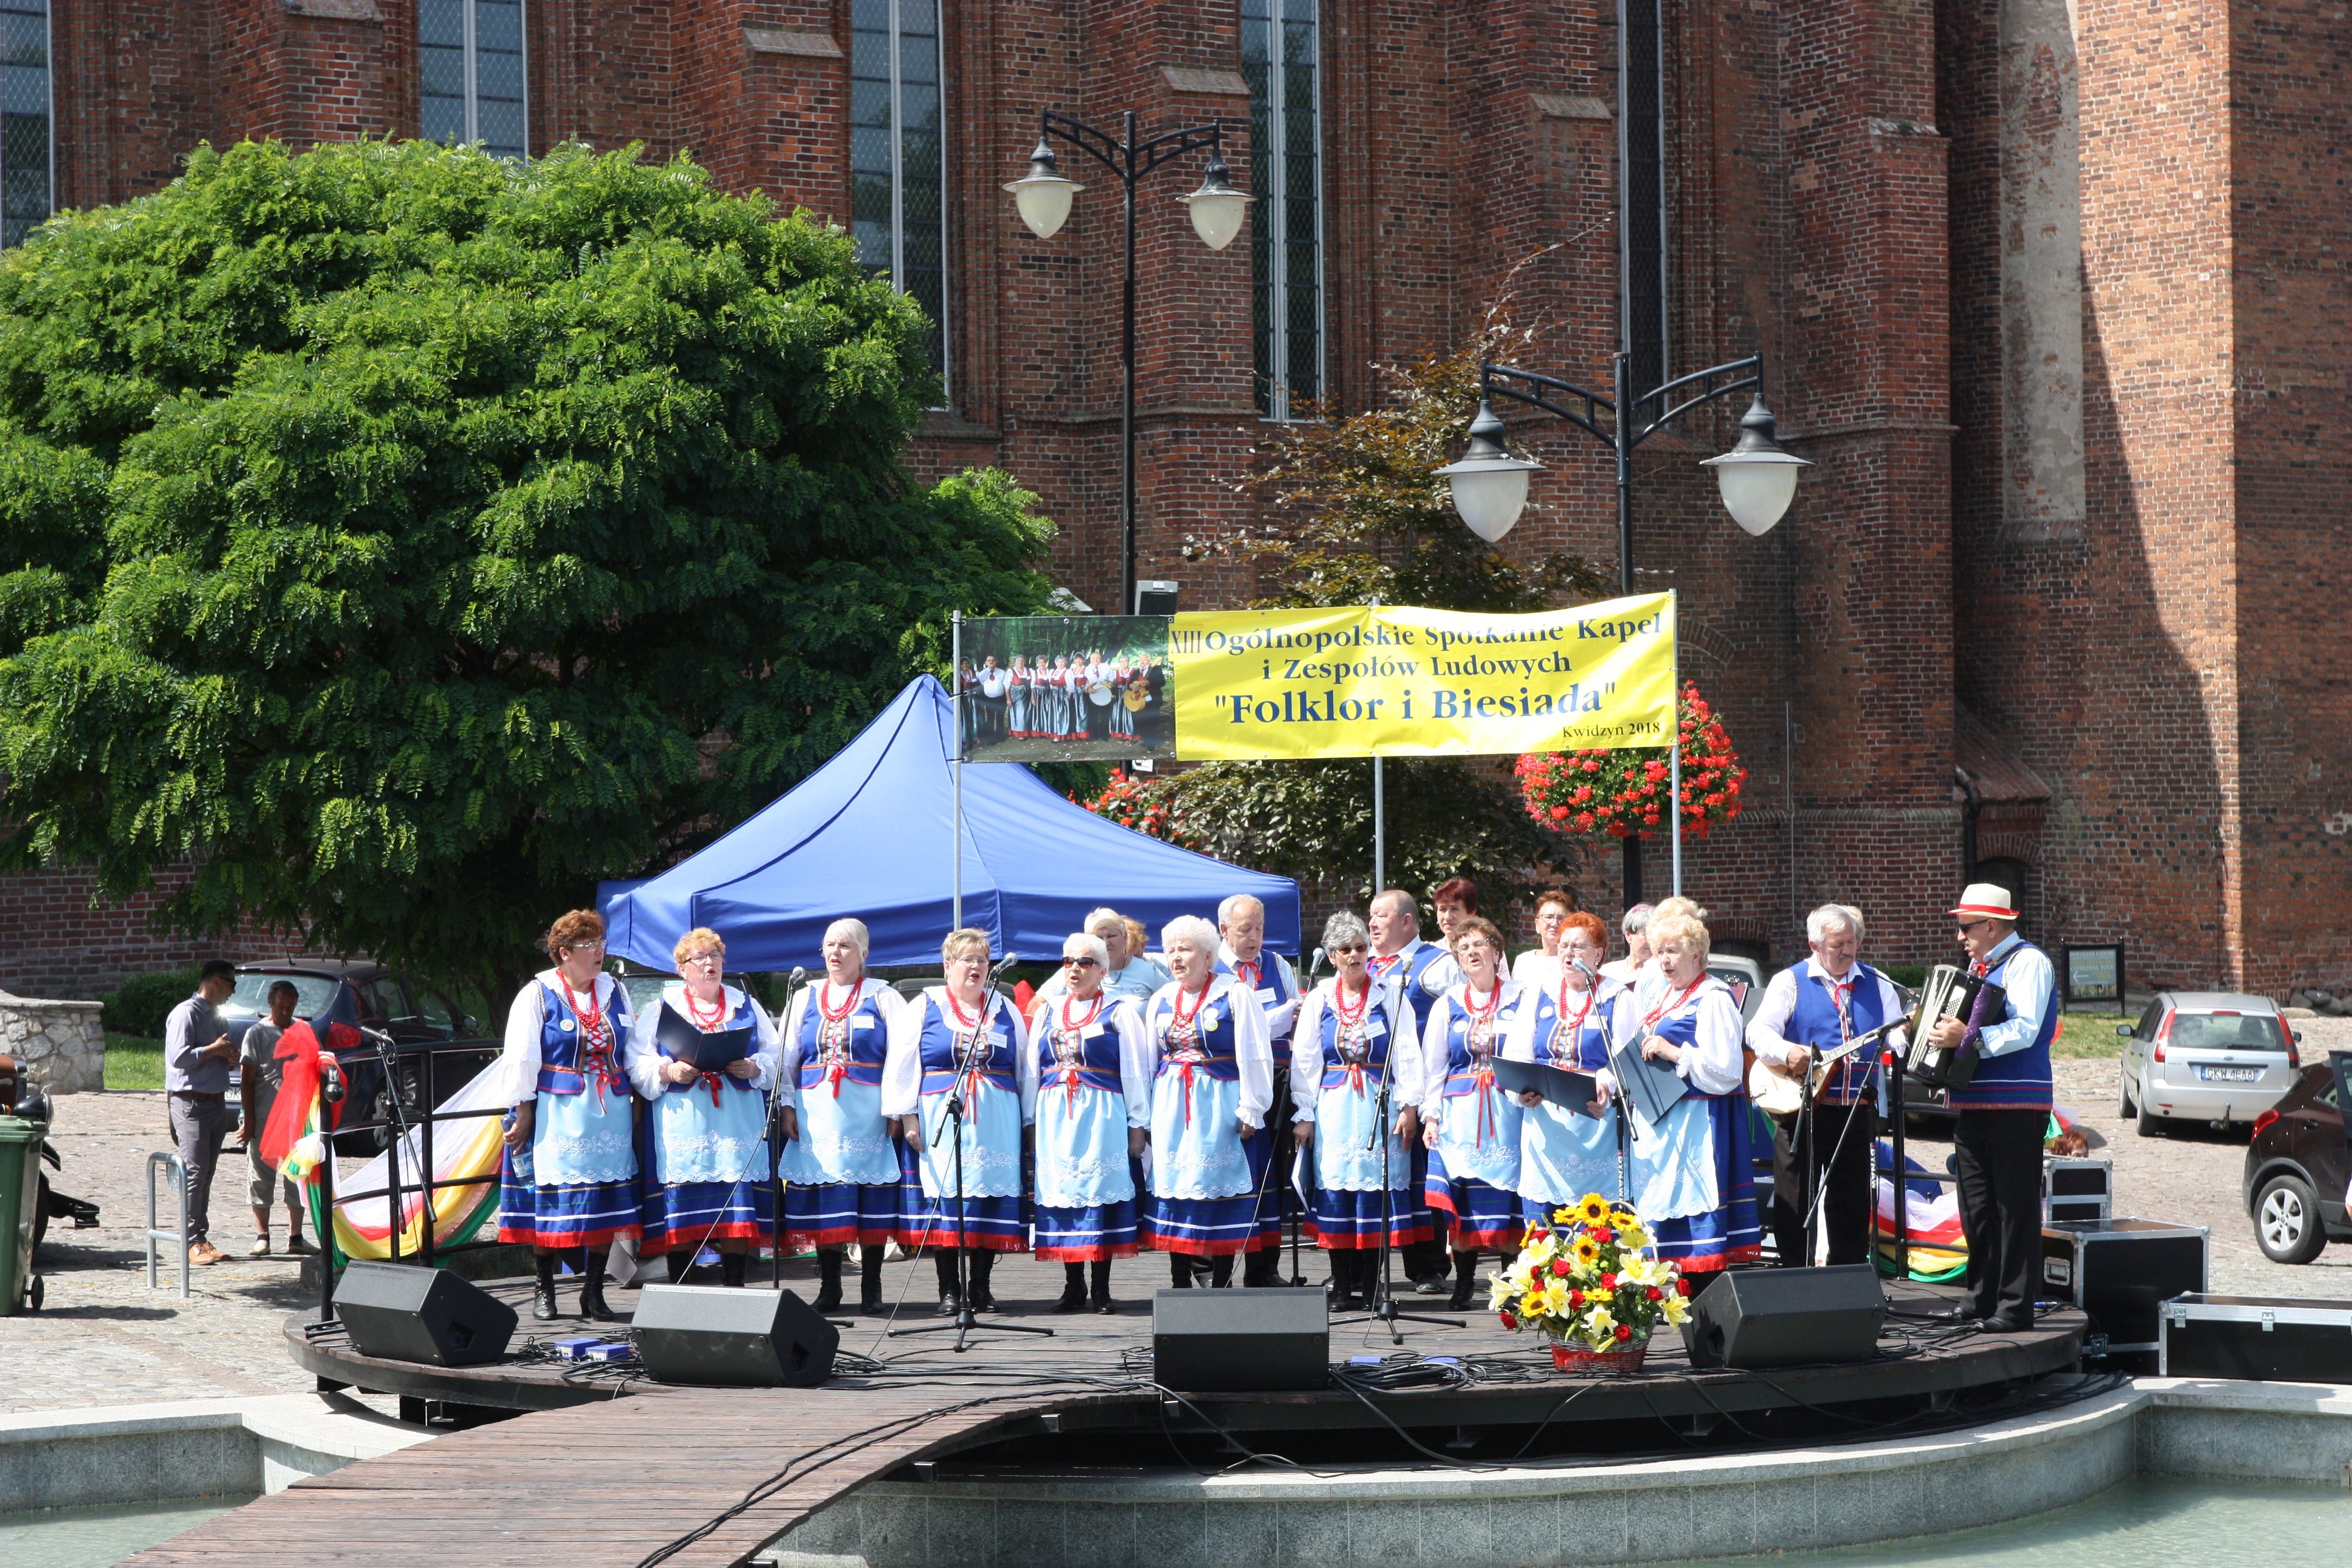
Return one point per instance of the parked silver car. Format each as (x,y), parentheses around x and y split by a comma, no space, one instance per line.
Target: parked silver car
(2205,1055)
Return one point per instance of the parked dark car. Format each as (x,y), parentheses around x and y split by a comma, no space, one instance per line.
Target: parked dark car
(2296,1168)
(365,996)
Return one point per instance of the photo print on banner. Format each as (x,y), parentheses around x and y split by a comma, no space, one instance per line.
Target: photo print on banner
(1066,689)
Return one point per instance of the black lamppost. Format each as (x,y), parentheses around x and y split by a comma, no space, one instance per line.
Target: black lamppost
(1043,197)
(1757,478)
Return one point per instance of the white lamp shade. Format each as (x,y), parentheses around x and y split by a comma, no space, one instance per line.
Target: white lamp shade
(1489,493)
(1043,200)
(1757,488)
(1217,213)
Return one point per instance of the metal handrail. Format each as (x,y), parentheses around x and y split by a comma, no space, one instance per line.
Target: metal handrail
(179,1171)
(423,1121)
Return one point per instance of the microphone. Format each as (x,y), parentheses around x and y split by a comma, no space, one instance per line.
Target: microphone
(1585,969)
(1000,966)
(800,974)
(1314,968)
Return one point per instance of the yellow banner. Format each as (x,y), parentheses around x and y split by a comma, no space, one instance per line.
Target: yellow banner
(1367,681)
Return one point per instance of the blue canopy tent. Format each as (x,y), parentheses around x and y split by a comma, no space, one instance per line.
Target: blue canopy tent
(868,835)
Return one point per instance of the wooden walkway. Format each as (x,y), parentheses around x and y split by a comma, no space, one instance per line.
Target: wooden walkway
(602,1485)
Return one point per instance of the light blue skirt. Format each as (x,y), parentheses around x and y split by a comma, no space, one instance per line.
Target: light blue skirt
(695,1141)
(1563,1155)
(1082,1160)
(1199,1156)
(1478,1134)
(1347,1159)
(991,1146)
(1674,1165)
(579,1139)
(842,1140)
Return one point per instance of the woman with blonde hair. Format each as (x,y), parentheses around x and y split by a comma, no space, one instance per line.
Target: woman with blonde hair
(569,1174)
(1692,1176)
(840,1156)
(704,1055)
(1093,1111)
(1212,1085)
(961,1040)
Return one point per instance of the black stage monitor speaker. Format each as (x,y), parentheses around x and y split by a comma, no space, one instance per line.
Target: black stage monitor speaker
(1234,1341)
(732,1338)
(1757,1318)
(400,1311)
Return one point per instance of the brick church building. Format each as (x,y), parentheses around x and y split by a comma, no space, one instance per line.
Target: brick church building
(2053,293)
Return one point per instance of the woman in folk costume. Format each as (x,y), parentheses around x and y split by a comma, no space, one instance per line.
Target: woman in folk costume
(840,1157)
(1564,1154)
(1018,699)
(569,1179)
(710,1177)
(1345,1043)
(1471,1126)
(1212,1088)
(1093,1111)
(963,1039)
(1692,1176)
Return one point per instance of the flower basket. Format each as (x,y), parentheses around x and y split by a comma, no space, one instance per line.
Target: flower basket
(1574,1358)
(1622,793)
(1592,1283)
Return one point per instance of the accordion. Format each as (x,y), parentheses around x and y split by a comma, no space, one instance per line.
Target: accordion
(1951,993)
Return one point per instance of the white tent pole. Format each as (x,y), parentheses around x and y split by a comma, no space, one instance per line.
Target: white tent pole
(955,705)
(1379,817)
(1674,740)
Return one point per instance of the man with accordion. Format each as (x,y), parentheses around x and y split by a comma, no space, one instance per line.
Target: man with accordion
(2003,1108)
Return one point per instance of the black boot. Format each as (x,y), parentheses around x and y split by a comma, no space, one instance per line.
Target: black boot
(977,1265)
(869,1280)
(1338,1294)
(1221,1272)
(542,1290)
(1103,1303)
(1074,1289)
(828,1274)
(944,1261)
(1466,1280)
(731,1268)
(675,1262)
(1180,1271)
(592,1306)
(1261,1270)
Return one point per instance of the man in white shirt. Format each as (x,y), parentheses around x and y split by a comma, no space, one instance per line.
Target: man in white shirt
(1242,954)
(1809,1011)
(1538,967)
(1398,951)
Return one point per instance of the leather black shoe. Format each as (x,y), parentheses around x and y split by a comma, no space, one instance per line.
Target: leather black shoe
(1073,1300)
(542,1300)
(950,1304)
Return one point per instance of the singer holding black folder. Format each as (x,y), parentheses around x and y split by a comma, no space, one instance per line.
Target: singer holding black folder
(1694,1180)
(1347,1039)
(704,1056)
(1565,1152)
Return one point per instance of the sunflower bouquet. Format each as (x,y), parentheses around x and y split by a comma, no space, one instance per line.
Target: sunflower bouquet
(1590,1283)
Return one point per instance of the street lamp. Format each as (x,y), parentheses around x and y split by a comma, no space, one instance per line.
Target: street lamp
(1756,479)
(1043,197)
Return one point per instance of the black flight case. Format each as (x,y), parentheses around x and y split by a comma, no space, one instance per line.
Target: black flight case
(2119,1271)
(2284,1337)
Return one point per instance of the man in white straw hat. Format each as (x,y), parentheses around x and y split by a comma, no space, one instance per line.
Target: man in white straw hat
(2004,1110)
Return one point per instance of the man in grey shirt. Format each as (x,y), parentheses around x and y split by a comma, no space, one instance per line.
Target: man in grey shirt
(198,1056)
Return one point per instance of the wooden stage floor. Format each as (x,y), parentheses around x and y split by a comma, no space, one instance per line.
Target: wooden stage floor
(610,1468)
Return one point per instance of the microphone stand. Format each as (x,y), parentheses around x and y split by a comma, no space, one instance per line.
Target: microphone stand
(1384,1308)
(968,1061)
(793,988)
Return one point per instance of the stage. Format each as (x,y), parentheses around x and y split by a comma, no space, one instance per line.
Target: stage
(603,1467)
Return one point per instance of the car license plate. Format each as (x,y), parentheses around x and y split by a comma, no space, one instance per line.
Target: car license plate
(2229,1074)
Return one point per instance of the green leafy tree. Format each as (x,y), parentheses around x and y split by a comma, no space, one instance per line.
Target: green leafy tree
(414,538)
(1358,511)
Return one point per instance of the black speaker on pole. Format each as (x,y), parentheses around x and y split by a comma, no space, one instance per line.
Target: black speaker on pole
(400,1311)
(1232,1341)
(731,1337)
(1786,1317)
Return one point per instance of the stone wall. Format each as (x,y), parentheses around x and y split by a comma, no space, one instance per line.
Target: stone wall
(61,1044)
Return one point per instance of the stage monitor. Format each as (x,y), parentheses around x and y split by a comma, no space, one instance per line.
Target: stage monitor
(730,1337)
(1237,1341)
(1757,1318)
(400,1311)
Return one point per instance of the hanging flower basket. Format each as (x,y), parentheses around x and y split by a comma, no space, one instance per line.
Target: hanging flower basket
(1623,793)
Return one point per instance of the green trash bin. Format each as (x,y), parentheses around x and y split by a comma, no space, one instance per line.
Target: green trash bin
(20,1196)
